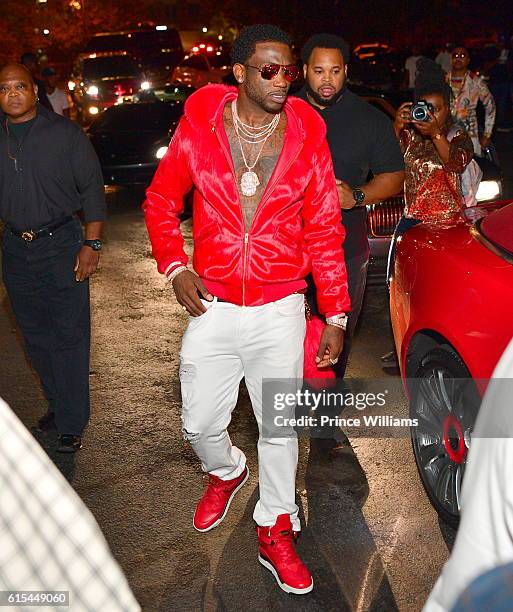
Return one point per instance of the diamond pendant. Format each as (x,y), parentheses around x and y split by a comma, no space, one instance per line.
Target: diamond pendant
(249,183)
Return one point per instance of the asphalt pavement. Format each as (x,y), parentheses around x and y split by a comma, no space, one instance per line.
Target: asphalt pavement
(370,538)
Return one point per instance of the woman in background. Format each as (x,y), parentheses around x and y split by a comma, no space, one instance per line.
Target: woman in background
(436,153)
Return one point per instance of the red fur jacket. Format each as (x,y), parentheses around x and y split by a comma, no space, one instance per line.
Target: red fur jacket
(296,229)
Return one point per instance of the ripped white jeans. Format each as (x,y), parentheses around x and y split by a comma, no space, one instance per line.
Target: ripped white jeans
(220,347)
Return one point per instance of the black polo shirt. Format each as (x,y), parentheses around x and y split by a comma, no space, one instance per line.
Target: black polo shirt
(58,173)
(361,140)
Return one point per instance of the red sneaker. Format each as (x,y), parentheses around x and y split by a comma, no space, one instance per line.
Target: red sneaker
(216,500)
(278,554)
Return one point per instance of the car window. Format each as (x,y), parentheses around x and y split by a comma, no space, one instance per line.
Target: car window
(198,62)
(107,42)
(150,41)
(111,66)
(220,61)
(145,42)
(498,228)
(139,117)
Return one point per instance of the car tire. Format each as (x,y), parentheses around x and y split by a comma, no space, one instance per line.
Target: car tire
(445,401)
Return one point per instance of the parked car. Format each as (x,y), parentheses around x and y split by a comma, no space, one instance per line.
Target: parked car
(157,49)
(451,299)
(370,50)
(383,217)
(130,139)
(100,80)
(198,69)
(377,66)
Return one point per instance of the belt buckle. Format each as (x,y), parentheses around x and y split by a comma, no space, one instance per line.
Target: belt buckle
(28,236)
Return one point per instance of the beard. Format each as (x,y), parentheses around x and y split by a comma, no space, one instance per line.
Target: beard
(260,98)
(318,99)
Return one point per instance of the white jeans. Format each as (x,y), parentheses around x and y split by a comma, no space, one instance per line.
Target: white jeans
(220,347)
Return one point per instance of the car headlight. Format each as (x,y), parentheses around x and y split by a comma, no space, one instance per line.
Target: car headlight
(161,151)
(145,85)
(488,190)
(93,110)
(92,90)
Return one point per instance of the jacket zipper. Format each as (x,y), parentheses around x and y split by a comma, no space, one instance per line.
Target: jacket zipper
(246,240)
(268,190)
(246,234)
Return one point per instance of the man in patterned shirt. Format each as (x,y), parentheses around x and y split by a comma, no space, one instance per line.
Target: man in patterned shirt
(468,89)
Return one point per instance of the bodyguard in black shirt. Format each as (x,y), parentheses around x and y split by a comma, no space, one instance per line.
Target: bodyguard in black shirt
(48,172)
(362,141)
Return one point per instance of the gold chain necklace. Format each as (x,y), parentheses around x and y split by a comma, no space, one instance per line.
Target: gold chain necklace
(249,180)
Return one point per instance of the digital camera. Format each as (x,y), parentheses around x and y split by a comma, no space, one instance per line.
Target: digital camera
(420,111)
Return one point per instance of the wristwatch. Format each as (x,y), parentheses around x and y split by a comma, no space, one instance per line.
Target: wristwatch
(96,244)
(359,196)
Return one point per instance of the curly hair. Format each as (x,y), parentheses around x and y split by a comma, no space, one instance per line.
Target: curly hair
(245,45)
(324,41)
(430,79)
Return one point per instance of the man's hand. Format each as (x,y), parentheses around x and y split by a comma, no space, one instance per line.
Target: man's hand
(86,263)
(186,286)
(330,347)
(345,195)
(485,141)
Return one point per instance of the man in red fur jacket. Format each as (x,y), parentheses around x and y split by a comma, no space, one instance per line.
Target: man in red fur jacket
(265,214)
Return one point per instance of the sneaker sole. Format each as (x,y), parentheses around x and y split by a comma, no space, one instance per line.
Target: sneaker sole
(227,507)
(282,585)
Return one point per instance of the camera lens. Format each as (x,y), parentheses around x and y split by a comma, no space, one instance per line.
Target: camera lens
(419,113)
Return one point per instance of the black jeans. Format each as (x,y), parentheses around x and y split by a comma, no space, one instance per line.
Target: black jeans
(52,310)
(356,281)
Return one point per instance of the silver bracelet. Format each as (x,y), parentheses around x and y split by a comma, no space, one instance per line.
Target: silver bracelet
(339,320)
(175,273)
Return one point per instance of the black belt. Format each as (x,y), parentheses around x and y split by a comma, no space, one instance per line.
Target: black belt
(30,235)
(200,295)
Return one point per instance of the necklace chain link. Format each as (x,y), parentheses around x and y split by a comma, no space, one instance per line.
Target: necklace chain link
(252,135)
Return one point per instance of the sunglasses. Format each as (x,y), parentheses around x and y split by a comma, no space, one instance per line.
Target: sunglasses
(270,71)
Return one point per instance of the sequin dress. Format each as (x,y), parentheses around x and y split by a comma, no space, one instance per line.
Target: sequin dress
(432,189)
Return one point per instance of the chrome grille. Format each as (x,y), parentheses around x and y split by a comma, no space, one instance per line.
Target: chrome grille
(383,217)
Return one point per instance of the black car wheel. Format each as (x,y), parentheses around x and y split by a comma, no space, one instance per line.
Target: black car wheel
(445,402)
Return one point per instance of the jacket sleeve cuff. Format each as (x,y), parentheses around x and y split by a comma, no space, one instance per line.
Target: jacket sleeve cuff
(173,265)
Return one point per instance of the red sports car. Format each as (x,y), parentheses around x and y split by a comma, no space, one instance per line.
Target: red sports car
(451,305)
